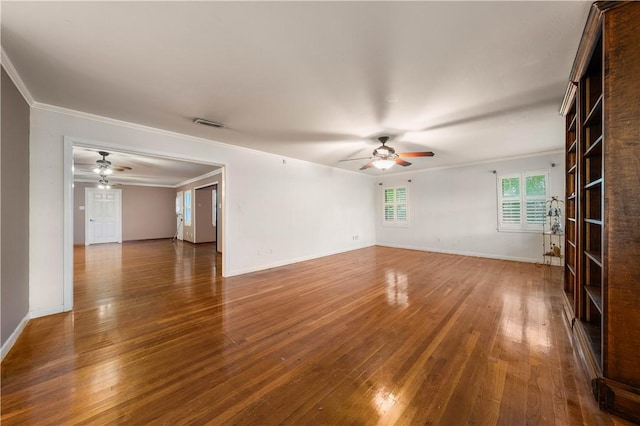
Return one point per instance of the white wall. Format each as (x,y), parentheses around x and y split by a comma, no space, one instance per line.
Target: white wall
(147,212)
(276,212)
(454,210)
(280,210)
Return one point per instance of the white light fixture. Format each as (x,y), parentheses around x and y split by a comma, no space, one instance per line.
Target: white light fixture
(104,165)
(102,170)
(383,164)
(103,183)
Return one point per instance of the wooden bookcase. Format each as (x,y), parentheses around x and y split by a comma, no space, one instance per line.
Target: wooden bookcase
(571,210)
(602,159)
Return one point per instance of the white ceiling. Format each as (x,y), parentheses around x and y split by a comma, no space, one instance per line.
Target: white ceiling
(471,81)
(145,169)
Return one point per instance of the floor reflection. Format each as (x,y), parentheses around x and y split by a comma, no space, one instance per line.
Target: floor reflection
(397,289)
(531,311)
(383,401)
(102,257)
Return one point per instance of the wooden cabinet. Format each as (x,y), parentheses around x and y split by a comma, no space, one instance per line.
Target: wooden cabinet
(571,168)
(602,158)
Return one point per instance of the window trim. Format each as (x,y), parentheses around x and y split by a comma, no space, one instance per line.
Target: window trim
(395,223)
(523,225)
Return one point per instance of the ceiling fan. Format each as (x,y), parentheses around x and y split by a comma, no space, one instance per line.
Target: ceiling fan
(104,166)
(385,156)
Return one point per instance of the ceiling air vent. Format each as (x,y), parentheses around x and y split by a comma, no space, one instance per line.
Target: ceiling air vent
(205,122)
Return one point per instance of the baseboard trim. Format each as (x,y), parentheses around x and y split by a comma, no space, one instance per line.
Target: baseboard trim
(236,272)
(46,311)
(391,245)
(460,253)
(29,316)
(620,399)
(14,336)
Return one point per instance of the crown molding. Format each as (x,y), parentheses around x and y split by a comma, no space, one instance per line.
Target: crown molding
(169,133)
(15,77)
(476,163)
(569,97)
(151,185)
(121,123)
(157,185)
(197,178)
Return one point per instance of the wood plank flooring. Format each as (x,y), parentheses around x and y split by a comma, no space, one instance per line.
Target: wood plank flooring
(373,336)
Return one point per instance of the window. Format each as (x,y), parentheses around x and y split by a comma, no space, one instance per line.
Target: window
(179,203)
(521,200)
(187,208)
(396,206)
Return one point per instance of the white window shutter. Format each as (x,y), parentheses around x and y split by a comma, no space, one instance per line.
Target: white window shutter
(521,200)
(396,206)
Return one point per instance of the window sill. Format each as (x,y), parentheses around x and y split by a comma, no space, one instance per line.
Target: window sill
(520,231)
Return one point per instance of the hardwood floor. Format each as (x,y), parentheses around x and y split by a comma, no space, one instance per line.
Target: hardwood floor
(373,336)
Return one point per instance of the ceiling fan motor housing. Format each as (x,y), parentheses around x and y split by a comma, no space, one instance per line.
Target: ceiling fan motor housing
(103,162)
(384,151)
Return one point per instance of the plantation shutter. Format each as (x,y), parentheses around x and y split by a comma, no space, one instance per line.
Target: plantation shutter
(521,200)
(535,197)
(396,209)
(510,202)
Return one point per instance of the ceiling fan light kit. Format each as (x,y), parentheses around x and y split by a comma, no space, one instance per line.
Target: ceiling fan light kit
(383,164)
(103,165)
(384,157)
(102,171)
(103,183)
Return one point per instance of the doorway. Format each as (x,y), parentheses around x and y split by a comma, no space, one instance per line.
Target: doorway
(206,214)
(68,198)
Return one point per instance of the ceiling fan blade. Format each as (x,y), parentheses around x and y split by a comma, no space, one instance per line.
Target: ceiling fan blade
(415,154)
(116,168)
(366,166)
(402,162)
(352,159)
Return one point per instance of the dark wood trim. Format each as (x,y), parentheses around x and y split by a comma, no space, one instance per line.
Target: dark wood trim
(607,319)
(590,33)
(569,96)
(590,362)
(620,399)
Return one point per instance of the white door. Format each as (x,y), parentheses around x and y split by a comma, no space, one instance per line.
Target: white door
(103,215)
(179,215)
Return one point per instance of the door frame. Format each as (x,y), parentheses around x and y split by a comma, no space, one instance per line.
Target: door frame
(68,144)
(215,183)
(88,191)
